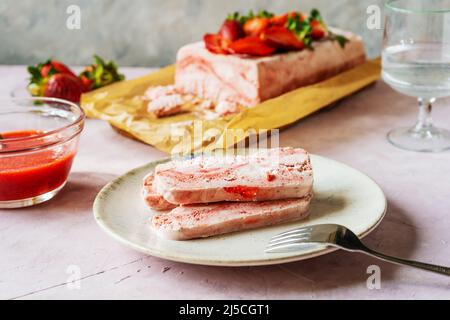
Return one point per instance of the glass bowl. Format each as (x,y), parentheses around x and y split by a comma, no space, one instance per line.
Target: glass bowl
(38,142)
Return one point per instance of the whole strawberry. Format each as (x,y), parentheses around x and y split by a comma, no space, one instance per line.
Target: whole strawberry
(54,79)
(54,67)
(64,86)
(231,30)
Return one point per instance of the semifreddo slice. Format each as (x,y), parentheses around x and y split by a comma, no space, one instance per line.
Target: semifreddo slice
(264,175)
(201,221)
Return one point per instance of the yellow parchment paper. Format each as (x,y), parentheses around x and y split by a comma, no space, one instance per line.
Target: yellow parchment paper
(121,104)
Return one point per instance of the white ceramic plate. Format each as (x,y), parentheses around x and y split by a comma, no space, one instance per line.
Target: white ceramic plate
(342,196)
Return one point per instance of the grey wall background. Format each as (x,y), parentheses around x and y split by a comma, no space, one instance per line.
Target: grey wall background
(143,32)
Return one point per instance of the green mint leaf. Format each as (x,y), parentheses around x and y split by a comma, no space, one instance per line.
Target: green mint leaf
(34,71)
(315,15)
(308,42)
(342,41)
(339,39)
(52,72)
(99,61)
(35,74)
(265,14)
(234,16)
(242,19)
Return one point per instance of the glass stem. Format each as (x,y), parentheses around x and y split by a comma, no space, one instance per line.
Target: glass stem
(425,121)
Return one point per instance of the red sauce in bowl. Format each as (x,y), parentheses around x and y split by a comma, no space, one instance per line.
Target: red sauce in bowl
(32,173)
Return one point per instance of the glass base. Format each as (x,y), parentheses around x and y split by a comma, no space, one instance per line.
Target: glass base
(15,204)
(429,139)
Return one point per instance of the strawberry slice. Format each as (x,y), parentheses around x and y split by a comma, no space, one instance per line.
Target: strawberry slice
(282,38)
(215,43)
(281,20)
(253,46)
(231,30)
(64,86)
(256,26)
(319,31)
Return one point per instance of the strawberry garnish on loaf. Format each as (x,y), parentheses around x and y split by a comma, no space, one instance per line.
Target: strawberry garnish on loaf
(253,46)
(215,43)
(282,19)
(264,33)
(256,26)
(282,38)
(231,30)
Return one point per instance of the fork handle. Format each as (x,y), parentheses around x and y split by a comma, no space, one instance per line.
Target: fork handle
(420,265)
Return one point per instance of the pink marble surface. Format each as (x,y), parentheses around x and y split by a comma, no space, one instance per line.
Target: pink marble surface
(42,248)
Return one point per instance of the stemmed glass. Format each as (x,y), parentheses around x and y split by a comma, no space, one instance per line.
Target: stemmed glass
(416,62)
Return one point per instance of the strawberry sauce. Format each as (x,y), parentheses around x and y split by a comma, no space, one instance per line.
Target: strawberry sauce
(31,174)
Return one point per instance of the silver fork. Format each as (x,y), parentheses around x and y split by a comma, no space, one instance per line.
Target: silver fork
(339,237)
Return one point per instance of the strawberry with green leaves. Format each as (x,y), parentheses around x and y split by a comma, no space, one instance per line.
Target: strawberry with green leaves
(54,79)
(64,86)
(313,29)
(100,74)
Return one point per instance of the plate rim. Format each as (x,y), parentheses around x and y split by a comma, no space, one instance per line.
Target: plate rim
(263,262)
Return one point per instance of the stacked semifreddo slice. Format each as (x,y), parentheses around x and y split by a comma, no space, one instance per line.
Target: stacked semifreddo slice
(217,194)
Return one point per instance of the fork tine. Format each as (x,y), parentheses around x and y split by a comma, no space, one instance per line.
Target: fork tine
(301,232)
(290,240)
(290,236)
(305,230)
(283,247)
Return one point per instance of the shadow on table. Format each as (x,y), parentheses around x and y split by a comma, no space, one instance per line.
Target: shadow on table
(77,196)
(397,235)
(364,118)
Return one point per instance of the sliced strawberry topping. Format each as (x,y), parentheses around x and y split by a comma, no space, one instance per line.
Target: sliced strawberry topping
(231,30)
(282,38)
(264,33)
(319,31)
(253,46)
(256,26)
(280,20)
(216,43)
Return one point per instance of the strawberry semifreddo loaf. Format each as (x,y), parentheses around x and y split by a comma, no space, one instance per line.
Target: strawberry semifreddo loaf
(263,175)
(257,57)
(249,80)
(201,221)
